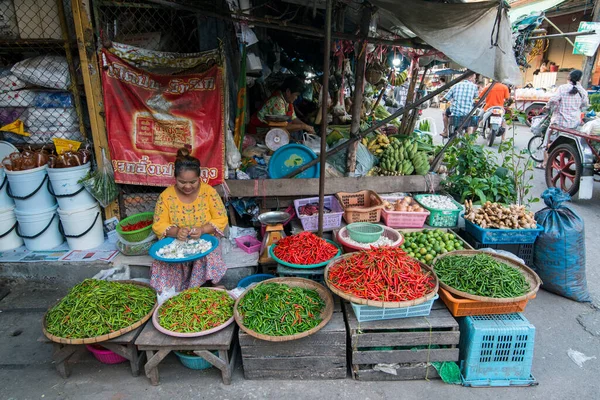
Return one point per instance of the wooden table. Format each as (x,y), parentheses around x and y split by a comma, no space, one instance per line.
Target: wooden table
(65,354)
(158,345)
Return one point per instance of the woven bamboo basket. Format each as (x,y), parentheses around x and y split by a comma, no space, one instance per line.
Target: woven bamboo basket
(102,338)
(532,278)
(294,282)
(381,304)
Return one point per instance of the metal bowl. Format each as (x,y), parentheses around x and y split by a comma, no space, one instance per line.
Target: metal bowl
(273,217)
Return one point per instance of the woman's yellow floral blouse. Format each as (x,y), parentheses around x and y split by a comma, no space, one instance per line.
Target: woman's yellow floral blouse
(207,208)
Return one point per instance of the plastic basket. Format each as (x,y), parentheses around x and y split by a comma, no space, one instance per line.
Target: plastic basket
(496,347)
(460,307)
(502,236)
(369,313)
(253,244)
(105,356)
(331,220)
(440,218)
(140,234)
(365,232)
(523,251)
(403,219)
(364,206)
(249,280)
(193,362)
(314,274)
(343,235)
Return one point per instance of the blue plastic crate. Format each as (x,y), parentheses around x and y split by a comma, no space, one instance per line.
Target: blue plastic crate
(496,348)
(369,313)
(314,274)
(249,280)
(502,236)
(500,382)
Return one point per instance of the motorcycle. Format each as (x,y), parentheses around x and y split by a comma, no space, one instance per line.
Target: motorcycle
(492,125)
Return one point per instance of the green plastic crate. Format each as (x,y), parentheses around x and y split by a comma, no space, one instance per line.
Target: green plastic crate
(441,218)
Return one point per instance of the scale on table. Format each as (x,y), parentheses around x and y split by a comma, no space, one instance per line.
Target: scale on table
(273,222)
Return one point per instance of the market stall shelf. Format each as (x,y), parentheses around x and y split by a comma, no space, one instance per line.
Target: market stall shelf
(321,355)
(412,343)
(63,355)
(157,346)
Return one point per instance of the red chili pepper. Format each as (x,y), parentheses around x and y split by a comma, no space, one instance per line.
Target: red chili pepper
(137,226)
(305,248)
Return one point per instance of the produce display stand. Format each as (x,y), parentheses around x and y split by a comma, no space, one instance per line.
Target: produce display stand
(523,251)
(392,342)
(321,355)
(158,345)
(63,355)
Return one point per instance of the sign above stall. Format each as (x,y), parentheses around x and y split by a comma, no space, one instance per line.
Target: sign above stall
(150,116)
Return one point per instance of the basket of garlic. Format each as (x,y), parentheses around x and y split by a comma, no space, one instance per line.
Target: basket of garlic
(403,212)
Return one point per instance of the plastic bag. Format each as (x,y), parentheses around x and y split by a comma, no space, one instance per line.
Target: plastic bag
(101,183)
(46,71)
(114,274)
(559,255)
(165,295)
(136,249)
(364,159)
(313,142)
(234,158)
(592,127)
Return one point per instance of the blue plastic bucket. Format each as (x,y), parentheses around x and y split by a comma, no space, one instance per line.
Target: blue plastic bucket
(193,362)
(249,280)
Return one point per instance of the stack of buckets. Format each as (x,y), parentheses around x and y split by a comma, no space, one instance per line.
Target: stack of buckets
(30,198)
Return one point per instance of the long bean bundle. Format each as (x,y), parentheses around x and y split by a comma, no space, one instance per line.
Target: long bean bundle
(481,275)
(95,308)
(196,310)
(276,309)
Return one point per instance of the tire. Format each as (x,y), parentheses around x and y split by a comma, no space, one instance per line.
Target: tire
(491,138)
(564,167)
(535,148)
(533,111)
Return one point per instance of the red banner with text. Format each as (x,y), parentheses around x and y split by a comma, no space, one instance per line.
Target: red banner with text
(150,116)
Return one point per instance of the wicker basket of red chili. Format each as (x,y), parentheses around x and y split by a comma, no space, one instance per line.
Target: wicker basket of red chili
(381,277)
(304,250)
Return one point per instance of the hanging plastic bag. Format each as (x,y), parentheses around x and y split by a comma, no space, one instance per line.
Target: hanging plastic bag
(101,183)
(313,142)
(364,159)
(234,158)
(559,256)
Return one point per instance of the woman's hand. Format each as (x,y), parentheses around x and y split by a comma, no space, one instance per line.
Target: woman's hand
(195,233)
(183,234)
(309,129)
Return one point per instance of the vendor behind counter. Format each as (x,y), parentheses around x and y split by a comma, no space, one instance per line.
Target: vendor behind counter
(281,103)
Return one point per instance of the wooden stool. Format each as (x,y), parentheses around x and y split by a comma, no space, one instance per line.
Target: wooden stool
(64,354)
(158,345)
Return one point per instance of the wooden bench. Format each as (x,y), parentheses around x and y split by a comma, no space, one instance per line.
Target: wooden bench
(63,355)
(393,341)
(158,345)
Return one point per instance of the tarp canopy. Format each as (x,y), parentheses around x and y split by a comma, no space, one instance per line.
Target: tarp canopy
(474,35)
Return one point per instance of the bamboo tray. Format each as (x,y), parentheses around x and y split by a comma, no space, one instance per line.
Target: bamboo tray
(294,282)
(532,278)
(381,304)
(159,328)
(105,337)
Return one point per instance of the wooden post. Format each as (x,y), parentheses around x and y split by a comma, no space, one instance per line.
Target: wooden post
(325,100)
(93,88)
(410,97)
(414,114)
(589,62)
(359,80)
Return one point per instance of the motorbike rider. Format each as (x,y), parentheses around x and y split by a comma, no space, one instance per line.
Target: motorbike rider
(497,97)
(461,98)
(566,106)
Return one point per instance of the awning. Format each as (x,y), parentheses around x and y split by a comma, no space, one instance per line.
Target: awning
(539,6)
(462,31)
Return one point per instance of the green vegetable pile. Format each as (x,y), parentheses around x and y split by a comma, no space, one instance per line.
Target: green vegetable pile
(481,275)
(426,245)
(95,308)
(403,158)
(196,310)
(280,310)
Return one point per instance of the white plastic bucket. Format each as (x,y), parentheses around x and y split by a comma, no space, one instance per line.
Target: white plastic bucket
(9,239)
(82,227)
(70,194)
(39,230)
(29,189)
(5,200)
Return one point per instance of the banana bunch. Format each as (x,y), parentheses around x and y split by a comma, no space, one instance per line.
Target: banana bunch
(400,78)
(403,159)
(377,145)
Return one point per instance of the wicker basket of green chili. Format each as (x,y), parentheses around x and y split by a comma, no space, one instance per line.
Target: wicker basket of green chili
(195,312)
(283,309)
(95,311)
(488,277)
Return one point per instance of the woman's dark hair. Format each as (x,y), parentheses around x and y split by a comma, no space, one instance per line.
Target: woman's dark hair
(293,83)
(186,162)
(574,77)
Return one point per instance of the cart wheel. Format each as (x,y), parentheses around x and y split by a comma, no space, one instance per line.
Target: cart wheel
(533,111)
(563,169)
(535,148)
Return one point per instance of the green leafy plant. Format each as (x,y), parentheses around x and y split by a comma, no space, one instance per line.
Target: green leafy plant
(595,102)
(519,167)
(475,174)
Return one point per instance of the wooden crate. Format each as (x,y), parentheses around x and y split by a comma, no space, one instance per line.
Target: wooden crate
(318,356)
(369,342)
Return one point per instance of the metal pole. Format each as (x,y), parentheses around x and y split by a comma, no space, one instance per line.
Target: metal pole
(563,35)
(552,24)
(439,155)
(324,101)
(381,123)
